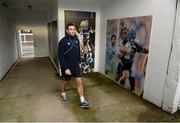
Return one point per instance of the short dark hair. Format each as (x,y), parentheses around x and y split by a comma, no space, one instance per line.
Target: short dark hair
(113,36)
(70,24)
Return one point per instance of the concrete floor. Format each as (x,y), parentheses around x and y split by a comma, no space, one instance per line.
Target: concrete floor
(30,92)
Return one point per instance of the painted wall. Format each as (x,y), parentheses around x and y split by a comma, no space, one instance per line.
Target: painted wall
(163,12)
(8,45)
(80,5)
(36,21)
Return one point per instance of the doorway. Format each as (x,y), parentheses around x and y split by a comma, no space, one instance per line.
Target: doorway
(26,38)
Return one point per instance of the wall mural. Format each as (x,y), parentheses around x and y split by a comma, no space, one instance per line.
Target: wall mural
(127,49)
(85,26)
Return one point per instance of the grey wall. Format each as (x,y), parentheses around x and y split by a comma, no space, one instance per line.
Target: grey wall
(8,45)
(53,41)
(36,21)
(53,11)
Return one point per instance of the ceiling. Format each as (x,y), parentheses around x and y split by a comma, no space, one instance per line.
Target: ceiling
(36,4)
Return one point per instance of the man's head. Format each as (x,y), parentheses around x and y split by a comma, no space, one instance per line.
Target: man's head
(71,29)
(86,23)
(123,33)
(113,39)
(131,34)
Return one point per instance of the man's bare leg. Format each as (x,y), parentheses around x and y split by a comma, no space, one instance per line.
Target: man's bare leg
(84,103)
(118,76)
(62,86)
(63,94)
(79,86)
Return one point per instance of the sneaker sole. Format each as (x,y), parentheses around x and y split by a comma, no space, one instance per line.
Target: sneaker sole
(61,99)
(86,107)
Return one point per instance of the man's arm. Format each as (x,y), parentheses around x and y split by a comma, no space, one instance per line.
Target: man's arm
(79,54)
(61,55)
(123,50)
(141,48)
(144,50)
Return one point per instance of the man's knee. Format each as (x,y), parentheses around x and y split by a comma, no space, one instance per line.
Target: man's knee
(63,81)
(79,81)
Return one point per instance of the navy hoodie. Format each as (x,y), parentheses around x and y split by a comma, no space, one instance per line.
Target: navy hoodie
(69,52)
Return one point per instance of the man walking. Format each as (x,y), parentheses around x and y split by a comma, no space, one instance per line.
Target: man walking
(70,62)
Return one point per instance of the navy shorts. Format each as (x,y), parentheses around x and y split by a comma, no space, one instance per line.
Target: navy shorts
(75,72)
(127,65)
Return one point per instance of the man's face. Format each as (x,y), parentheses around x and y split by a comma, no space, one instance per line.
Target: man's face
(113,40)
(86,23)
(125,35)
(71,31)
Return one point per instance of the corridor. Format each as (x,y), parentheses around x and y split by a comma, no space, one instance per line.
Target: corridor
(30,92)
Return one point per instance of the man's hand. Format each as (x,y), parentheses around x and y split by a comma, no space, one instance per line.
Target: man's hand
(68,72)
(80,65)
(122,49)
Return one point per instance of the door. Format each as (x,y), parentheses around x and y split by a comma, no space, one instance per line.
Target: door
(26,38)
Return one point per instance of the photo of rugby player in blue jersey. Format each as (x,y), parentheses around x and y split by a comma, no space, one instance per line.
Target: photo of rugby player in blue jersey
(131,51)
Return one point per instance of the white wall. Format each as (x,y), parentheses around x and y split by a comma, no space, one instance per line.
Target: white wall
(36,21)
(163,12)
(8,47)
(172,88)
(80,5)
